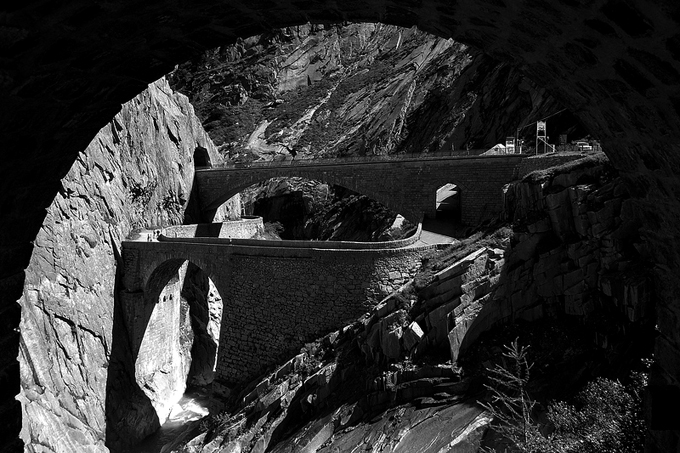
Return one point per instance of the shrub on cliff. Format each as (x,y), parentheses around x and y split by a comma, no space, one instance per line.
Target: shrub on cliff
(606,416)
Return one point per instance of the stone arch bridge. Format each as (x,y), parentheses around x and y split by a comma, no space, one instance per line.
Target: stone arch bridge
(267,290)
(407,185)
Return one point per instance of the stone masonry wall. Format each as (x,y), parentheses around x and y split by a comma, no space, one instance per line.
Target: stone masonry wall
(276,305)
(544,161)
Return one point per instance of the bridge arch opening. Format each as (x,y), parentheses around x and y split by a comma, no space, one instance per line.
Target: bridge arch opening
(311,209)
(448,203)
(177,351)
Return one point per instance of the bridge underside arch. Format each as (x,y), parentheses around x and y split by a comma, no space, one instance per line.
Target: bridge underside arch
(448,204)
(355,184)
(68,68)
(173,333)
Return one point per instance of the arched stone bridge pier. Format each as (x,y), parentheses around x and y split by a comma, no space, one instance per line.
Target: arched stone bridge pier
(407,186)
(274,298)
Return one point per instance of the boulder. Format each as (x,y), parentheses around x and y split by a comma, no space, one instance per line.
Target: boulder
(412,336)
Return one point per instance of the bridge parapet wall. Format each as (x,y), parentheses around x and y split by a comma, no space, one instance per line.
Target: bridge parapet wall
(287,243)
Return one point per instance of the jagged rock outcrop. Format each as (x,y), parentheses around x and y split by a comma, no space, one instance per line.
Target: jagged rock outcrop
(572,251)
(313,403)
(136,173)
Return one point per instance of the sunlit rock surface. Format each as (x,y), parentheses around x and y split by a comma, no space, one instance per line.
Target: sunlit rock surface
(137,172)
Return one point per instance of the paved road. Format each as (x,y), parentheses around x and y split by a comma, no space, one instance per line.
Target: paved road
(436,232)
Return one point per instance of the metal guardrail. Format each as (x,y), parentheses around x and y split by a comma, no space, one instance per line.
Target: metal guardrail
(308,161)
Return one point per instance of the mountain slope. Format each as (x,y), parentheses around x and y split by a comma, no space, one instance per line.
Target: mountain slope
(360,89)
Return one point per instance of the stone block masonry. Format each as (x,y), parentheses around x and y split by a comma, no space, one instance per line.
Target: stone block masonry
(275,298)
(543,161)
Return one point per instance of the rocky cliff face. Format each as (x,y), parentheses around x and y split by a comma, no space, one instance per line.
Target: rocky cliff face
(136,173)
(360,89)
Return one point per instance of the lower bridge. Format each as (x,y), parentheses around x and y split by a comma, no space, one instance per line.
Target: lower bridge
(275,298)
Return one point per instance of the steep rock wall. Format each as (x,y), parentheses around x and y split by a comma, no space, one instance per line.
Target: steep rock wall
(137,172)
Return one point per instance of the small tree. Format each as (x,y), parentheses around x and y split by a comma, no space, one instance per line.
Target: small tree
(510,404)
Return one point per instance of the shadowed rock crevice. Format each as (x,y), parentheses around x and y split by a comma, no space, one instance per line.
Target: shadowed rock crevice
(205,309)
(173,333)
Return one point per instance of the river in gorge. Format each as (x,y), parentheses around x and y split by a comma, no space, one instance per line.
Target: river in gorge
(185,416)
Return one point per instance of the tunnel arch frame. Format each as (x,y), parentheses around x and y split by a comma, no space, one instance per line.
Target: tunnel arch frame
(650,158)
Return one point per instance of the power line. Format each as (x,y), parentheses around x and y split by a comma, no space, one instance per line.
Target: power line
(543,119)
